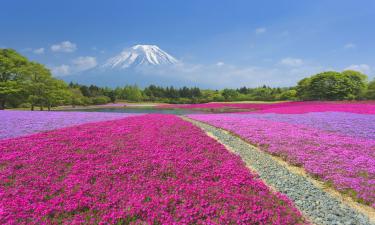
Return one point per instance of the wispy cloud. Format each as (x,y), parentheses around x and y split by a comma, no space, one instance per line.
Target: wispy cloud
(260,30)
(38,51)
(350,46)
(227,75)
(84,63)
(292,62)
(363,68)
(77,65)
(61,70)
(65,46)
(220,64)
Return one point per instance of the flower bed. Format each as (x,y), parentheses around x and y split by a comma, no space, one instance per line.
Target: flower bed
(287,107)
(350,124)
(154,169)
(18,123)
(348,163)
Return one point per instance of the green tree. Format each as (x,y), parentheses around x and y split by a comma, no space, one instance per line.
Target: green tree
(358,81)
(288,95)
(332,86)
(76,97)
(57,93)
(229,94)
(38,84)
(100,100)
(303,89)
(11,75)
(371,90)
(132,93)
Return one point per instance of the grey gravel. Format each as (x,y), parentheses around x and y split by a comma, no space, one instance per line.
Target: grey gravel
(319,206)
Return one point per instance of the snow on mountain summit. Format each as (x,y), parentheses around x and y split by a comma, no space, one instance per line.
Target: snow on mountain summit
(139,55)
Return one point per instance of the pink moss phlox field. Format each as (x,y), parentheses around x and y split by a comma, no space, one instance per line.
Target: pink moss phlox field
(350,124)
(306,107)
(346,162)
(289,107)
(153,169)
(18,123)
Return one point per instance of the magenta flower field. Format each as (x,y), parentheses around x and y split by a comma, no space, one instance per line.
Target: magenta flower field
(150,169)
(287,107)
(19,123)
(337,147)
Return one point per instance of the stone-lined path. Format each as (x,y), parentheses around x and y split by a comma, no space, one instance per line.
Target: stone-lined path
(317,205)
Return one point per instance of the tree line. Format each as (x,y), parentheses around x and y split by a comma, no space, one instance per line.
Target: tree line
(28,84)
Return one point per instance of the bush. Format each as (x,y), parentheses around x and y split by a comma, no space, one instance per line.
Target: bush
(99,100)
(24,105)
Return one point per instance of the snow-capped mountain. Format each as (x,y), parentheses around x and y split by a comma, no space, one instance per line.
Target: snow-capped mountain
(140,55)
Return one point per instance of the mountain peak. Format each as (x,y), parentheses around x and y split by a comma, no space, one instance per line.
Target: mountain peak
(140,55)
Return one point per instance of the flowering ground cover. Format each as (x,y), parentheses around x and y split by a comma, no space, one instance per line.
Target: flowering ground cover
(154,169)
(18,123)
(306,107)
(345,161)
(288,107)
(350,124)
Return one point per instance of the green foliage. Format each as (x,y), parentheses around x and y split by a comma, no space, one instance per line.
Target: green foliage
(100,100)
(11,75)
(28,83)
(229,94)
(172,95)
(359,83)
(288,95)
(348,85)
(130,92)
(24,82)
(370,94)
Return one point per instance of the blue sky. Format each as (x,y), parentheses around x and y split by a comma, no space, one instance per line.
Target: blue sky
(221,43)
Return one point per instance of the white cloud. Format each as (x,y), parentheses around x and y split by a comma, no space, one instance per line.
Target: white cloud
(293,62)
(38,51)
(350,46)
(77,65)
(227,75)
(219,64)
(260,30)
(84,63)
(65,46)
(363,68)
(62,70)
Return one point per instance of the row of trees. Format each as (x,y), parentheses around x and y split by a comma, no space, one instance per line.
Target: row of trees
(171,94)
(347,85)
(30,84)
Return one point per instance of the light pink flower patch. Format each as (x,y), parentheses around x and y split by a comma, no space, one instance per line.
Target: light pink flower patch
(348,162)
(19,123)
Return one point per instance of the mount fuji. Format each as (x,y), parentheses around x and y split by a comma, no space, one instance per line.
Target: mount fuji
(140,55)
(141,64)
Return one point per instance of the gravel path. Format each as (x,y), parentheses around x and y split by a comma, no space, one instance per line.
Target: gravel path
(317,205)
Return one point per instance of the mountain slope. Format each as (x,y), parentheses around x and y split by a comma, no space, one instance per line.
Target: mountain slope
(140,55)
